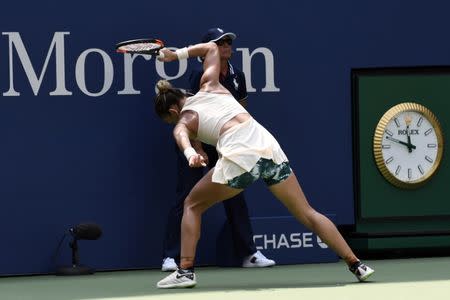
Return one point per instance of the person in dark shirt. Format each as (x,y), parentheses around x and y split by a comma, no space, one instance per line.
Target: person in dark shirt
(236,208)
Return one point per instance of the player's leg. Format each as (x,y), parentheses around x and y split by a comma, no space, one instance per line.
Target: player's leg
(187,177)
(291,195)
(204,194)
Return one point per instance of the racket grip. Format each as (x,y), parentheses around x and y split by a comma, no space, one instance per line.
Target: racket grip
(160,55)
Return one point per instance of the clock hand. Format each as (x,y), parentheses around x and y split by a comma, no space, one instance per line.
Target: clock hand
(409,139)
(401,142)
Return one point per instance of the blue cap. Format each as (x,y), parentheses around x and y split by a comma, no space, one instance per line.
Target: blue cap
(215,34)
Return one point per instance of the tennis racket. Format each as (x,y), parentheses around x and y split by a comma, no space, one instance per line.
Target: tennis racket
(140,46)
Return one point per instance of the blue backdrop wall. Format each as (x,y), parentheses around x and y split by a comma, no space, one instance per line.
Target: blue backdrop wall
(80,142)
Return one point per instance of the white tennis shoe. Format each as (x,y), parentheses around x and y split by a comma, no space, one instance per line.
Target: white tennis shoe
(257,260)
(178,279)
(361,271)
(169,265)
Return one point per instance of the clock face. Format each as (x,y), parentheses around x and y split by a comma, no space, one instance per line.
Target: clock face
(408,145)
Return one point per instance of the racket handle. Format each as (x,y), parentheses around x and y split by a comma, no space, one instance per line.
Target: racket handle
(160,55)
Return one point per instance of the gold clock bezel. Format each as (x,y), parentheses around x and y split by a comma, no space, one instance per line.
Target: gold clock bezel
(378,138)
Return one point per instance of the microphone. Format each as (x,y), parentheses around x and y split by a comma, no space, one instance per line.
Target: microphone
(83,231)
(86,231)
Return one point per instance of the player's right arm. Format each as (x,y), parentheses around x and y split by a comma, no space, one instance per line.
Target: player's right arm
(211,64)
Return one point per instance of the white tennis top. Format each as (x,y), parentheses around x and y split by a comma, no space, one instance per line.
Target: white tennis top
(213,110)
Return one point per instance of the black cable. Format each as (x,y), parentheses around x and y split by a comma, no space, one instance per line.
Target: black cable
(58,249)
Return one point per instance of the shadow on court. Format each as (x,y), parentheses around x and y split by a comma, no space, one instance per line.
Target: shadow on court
(123,284)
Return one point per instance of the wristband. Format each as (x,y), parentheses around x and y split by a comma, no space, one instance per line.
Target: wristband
(188,152)
(182,53)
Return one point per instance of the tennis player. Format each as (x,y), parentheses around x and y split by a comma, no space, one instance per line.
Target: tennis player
(236,210)
(247,152)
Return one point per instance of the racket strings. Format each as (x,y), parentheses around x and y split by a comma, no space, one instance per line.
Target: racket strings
(140,47)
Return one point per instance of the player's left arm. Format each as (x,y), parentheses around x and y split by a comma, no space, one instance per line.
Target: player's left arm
(197,145)
(183,133)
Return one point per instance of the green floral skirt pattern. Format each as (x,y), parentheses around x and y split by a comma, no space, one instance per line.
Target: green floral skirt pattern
(266,169)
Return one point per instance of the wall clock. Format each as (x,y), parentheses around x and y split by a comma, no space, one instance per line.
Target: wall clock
(408,145)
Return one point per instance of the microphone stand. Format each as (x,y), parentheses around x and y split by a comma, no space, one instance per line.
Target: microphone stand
(76,268)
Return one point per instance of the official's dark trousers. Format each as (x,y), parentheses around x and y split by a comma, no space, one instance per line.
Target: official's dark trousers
(235,208)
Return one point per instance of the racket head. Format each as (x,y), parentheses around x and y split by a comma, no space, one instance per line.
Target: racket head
(140,46)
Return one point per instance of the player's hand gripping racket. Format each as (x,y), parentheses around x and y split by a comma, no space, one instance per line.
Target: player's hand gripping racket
(140,46)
